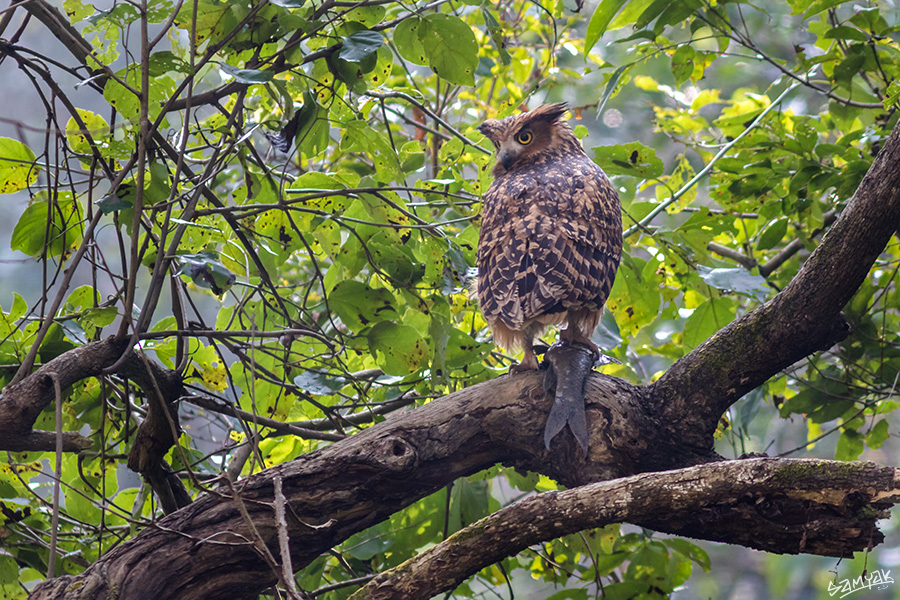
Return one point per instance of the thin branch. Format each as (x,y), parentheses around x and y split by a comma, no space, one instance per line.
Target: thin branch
(430,113)
(57,479)
(279,426)
(287,569)
(726,252)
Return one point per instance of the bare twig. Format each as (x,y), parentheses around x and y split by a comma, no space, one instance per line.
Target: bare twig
(287,570)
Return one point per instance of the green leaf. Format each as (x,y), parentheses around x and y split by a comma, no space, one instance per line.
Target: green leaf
(367,544)
(708,318)
(9,571)
(469,502)
(398,349)
(120,97)
(496,35)
(677,12)
(772,234)
(359,134)
(207,271)
(845,32)
(633,14)
(121,199)
(815,7)
(463,349)
(18,309)
(634,299)
(571,594)
(683,64)
(213,19)
(97,128)
(892,95)
(52,229)
(847,68)
(450,47)
(850,445)
(360,46)
(100,317)
(626,590)
(74,331)
(610,87)
(878,435)
(320,384)
(605,563)
(17,166)
(164,61)
(406,38)
(369,15)
(600,20)
(248,76)
(736,280)
(633,159)
(7,490)
(359,306)
(692,551)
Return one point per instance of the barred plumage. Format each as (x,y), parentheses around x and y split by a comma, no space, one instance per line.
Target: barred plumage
(551,233)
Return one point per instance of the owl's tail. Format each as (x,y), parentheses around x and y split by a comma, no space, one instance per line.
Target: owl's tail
(570,366)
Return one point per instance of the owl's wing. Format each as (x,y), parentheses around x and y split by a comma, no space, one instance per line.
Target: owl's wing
(551,239)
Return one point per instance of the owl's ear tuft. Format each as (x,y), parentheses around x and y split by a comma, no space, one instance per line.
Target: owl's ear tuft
(550,112)
(489,129)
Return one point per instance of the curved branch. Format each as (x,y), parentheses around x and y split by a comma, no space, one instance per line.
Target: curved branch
(841,503)
(363,479)
(22,402)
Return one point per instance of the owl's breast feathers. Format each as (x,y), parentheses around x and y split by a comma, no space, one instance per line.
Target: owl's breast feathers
(550,241)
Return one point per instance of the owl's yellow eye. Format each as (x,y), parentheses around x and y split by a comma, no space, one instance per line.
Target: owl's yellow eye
(524,137)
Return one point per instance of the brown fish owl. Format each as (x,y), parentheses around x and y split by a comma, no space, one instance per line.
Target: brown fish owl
(551,234)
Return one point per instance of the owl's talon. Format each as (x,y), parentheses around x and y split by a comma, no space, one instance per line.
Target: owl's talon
(525,366)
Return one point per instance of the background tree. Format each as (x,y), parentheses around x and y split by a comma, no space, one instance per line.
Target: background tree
(218,306)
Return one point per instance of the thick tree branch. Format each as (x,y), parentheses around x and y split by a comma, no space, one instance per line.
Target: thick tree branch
(363,479)
(841,503)
(22,402)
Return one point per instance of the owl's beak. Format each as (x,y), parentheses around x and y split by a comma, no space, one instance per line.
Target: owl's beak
(507,158)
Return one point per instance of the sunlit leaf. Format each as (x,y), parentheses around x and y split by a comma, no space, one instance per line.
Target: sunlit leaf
(51,227)
(17,166)
(399,349)
(600,20)
(358,305)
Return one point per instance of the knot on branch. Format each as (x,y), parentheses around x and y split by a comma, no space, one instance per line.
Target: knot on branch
(395,453)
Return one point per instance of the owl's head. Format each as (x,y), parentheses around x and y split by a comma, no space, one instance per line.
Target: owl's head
(520,138)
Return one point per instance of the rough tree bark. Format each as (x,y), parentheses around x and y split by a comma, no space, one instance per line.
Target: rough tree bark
(208,550)
(828,491)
